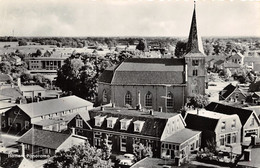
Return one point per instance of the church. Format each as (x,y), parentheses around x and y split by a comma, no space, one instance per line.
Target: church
(161,84)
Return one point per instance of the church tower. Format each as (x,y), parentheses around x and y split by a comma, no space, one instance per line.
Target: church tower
(195,61)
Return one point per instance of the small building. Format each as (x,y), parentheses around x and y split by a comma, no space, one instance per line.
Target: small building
(4,79)
(232,93)
(44,142)
(32,91)
(16,60)
(249,119)
(217,128)
(20,117)
(165,133)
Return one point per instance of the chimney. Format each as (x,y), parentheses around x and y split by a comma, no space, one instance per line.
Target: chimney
(20,101)
(19,82)
(113,105)
(23,150)
(73,131)
(138,107)
(151,112)
(253,140)
(247,154)
(160,109)
(102,108)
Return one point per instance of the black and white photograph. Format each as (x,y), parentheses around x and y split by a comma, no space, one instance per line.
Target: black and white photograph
(129,83)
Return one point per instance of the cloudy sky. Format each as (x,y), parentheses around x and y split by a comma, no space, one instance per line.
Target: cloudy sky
(128,17)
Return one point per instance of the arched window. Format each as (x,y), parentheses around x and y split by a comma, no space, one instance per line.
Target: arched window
(128,98)
(104,96)
(148,99)
(169,100)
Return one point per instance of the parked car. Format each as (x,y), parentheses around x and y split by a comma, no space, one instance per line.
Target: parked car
(125,163)
(129,156)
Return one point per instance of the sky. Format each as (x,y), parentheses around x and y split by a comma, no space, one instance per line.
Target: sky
(128,17)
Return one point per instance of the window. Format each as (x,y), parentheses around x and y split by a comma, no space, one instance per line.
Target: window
(228,138)
(3,124)
(252,122)
(124,123)
(138,125)
(170,100)
(128,98)
(10,121)
(123,144)
(99,120)
(97,138)
(195,72)
(26,124)
(233,125)
(109,139)
(111,122)
(148,99)
(104,96)
(223,126)
(195,62)
(234,138)
(79,123)
(222,140)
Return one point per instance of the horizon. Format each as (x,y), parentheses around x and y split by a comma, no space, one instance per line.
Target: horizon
(118,18)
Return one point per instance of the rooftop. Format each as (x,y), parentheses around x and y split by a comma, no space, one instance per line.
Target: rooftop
(43,138)
(133,112)
(54,105)
(201,123)
(138,71)
(153,163)
(181,136)
(208,114)
(31,88)
(243,114)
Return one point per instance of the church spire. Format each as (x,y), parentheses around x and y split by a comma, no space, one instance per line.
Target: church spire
(194,44)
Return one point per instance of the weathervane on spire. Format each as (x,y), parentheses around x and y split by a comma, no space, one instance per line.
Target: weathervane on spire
(194,4)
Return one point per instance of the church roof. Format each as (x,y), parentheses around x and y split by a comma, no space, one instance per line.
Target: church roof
(194,45)
(145,71)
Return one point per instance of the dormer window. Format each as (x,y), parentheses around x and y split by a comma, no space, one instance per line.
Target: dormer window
(195,62)
(124,123)
(111,122)
(79,123)
(138,125)
(99,120)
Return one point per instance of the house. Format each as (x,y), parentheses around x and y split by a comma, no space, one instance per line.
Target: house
(156,83)
(232,93)
(250,157)
(216,128)
(252,62)
(4,79)
(237,58)
(20,117)
(255,98)
(59,124)
(165,133)
(47,143)
(32,91)
(249,119)
(16,60)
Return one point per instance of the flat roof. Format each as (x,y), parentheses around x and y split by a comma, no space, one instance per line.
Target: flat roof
(133,112)
(181,136)
(153,163)
(30,88)
(209,114)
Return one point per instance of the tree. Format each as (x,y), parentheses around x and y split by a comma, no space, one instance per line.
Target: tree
(79,156)
(198,101)
(180,49)
(5,67)
(26,77)
(140,151)
(142,45)
(208,49)
(79,78)
(22,42)
(105,147)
